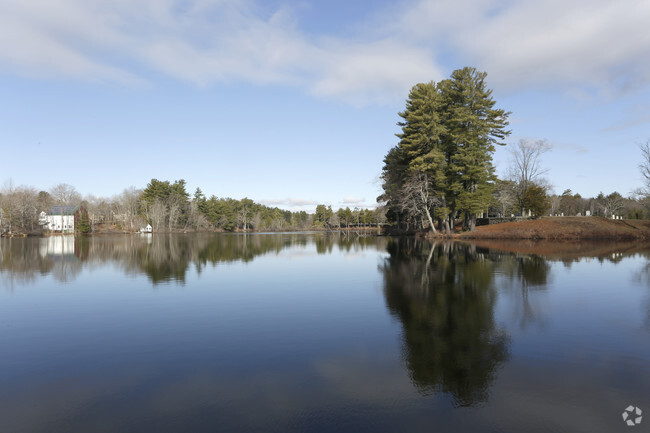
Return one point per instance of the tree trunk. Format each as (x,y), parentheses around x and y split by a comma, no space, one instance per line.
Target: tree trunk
(428,215)
(472,222)
(443,225)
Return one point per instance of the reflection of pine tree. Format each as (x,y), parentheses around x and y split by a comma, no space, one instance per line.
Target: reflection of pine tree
(444,297)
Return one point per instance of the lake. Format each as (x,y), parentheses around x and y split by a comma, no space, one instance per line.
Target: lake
(321,333)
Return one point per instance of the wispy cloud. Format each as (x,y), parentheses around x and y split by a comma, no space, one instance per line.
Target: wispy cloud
(290,202)
(595,44)
(353,200)
(570,147)
(598,46)
(635,115)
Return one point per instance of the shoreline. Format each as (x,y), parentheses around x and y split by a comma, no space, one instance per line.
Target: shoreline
(111,231)
(591,228)
(564,228)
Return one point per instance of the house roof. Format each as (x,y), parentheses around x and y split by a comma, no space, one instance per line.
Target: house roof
(62,210)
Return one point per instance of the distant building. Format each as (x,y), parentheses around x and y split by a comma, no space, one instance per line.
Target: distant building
(62,218)
(147,229)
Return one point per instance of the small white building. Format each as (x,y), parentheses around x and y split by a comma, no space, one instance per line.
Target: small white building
(147,229)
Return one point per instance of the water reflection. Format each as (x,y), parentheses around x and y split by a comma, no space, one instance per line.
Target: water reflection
(161,257)
(444,296)
(301,339)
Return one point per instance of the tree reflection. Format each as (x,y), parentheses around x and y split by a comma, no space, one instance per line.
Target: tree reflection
(444,297)
(162,257)
(643,277)
(522,276)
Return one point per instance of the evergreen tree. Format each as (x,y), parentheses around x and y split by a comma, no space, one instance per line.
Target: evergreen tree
(535,200)
(418,153)
(83,223)
(448,135)
(472,127)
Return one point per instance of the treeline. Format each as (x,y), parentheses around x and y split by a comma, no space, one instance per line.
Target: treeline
(507,202)
(168,206)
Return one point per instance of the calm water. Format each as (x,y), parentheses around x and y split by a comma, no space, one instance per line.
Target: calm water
(305,332)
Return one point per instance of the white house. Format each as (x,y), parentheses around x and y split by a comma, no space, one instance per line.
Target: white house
(60,218)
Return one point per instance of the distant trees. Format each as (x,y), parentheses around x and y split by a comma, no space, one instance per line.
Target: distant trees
(611,204)
(165,204)
(344,216)
(19,208)
(448,135)
(168,206)
(322,215)
(129,207)
(571,204)
(245,213)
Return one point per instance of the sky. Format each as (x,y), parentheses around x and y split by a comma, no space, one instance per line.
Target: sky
(295,103)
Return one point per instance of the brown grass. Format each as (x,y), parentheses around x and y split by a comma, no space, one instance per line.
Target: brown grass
(564,228)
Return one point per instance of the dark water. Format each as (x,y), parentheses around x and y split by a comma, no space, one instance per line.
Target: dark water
(308,332)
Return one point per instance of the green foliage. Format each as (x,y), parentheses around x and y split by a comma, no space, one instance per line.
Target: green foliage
(322,215)
(448,133)
(535,200)
(83,223)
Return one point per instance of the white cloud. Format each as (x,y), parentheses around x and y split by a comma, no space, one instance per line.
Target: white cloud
(290,202)
(202,42)
(596,44)
(376,72)
(593,45)
(353,200)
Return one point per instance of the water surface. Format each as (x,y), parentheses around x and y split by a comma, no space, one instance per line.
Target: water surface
(315,332)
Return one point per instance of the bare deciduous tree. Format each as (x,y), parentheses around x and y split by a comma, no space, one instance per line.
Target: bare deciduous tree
(129,205)
(156,214)
(555,202)
(334,220)
(611,204)
(644,166)
(174,213)
(526,168)
(418,198)
(65,194)
(196,219)
(505,196)
(19,208)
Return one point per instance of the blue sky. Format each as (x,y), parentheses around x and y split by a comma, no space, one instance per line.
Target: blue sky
(295,103)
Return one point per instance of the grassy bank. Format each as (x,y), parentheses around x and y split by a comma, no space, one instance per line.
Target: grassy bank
(564,228)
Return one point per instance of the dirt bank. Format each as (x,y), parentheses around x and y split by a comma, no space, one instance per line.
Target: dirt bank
(564,228)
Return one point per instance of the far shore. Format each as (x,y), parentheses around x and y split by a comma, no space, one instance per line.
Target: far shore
(101,229)
(545,228)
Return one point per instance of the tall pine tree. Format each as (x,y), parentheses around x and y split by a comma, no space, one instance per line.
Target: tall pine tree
(448,135)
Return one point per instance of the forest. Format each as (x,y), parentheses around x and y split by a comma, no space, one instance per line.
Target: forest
(168,206)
